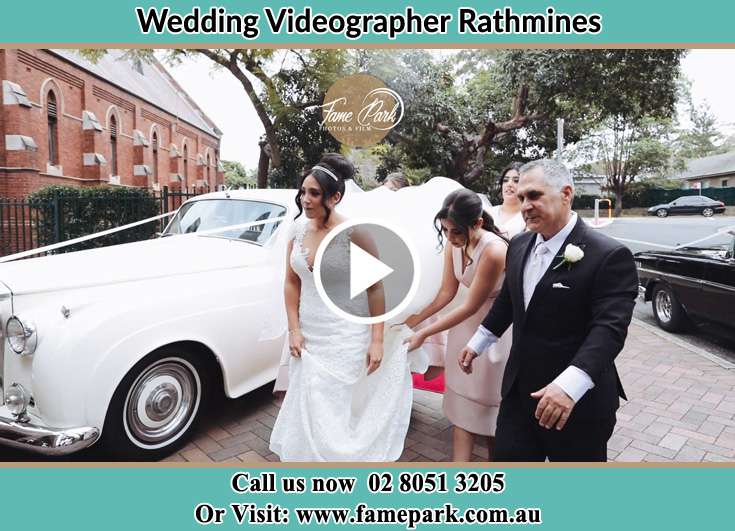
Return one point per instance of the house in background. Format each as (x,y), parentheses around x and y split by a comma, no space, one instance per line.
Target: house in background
(589,184)
(124,122)
(715,171)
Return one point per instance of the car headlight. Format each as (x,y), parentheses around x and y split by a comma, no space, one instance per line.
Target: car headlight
(17,400)
(21,336)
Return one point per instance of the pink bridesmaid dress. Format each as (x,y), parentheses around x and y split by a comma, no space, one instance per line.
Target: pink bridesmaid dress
(471,401)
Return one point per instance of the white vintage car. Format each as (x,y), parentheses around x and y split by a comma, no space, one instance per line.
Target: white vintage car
(127,343)
(129,340)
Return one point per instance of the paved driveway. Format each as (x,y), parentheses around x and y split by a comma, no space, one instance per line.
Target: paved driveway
(681,408)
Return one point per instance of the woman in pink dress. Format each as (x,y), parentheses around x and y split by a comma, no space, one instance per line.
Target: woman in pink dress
(507,215)
(475,258)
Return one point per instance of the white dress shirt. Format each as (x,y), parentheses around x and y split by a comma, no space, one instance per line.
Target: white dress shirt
(573,380)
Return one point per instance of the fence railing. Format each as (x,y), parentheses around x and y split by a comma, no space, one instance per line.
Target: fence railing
(29,224)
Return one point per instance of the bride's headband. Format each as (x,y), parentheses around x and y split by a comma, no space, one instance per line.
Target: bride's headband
(325,170)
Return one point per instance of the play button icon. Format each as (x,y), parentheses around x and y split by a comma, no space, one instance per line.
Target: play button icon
(361,256)
(365,270)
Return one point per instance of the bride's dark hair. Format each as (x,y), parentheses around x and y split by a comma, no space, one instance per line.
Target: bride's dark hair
(463,208)
(340,167)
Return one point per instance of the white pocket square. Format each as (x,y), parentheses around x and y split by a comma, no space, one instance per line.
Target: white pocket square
(559,285)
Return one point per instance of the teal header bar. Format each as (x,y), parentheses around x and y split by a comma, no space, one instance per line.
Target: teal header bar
(379,22)
(600,498)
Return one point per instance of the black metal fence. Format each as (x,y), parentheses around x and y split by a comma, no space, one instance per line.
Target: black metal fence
(169,201)
(27,224)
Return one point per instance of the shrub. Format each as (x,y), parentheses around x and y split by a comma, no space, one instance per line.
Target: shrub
(66,212)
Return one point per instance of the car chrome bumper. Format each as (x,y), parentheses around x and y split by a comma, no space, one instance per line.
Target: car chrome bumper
(45,440)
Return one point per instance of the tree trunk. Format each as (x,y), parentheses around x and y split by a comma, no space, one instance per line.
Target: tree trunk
(263,164)
(618,200)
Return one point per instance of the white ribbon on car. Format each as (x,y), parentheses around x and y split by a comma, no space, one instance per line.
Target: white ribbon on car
(74,241)
(720,231)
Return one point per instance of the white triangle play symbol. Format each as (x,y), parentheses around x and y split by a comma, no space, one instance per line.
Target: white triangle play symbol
(365,270)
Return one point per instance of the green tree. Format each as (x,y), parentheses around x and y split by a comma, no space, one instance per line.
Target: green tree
(284,86)
(701,138)
(629,149)
(237,175)
(476,111)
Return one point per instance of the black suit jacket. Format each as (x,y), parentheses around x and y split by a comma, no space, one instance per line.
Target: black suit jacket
(584,325)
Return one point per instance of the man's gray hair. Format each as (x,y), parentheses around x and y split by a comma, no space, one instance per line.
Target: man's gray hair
(555,173)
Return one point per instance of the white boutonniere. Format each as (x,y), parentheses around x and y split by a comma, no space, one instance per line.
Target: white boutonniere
(572,255)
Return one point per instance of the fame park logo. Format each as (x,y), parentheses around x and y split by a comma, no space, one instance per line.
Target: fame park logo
(359,110)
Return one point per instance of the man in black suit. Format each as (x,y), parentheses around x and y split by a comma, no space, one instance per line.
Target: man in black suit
(569,292)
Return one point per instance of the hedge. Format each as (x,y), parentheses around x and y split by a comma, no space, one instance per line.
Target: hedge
(66,212)
(655,196)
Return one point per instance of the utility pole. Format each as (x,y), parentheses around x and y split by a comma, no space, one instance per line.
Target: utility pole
(560,139)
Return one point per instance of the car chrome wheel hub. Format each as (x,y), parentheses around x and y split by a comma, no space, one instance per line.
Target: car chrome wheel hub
(663,306)
(161,402)
(661,213)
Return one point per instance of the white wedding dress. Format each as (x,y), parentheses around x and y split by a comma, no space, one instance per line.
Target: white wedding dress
(332,410)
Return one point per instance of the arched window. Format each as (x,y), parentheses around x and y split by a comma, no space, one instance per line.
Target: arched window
(209,163)
(216,165)
(186,166)
(113,144)
(53,129)
(154,143)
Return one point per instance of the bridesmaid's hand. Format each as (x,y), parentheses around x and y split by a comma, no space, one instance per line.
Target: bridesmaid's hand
(374,356)
(413,321)
(466,357)
(415,341)
(295,342)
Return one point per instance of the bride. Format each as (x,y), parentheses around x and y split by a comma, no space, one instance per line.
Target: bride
(345,401)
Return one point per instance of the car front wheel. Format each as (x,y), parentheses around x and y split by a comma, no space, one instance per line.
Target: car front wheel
(662,212)
(156,405)
(668,312)
(708,212)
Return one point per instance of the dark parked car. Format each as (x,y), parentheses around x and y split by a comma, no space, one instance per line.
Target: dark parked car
(689,204)
(691,283)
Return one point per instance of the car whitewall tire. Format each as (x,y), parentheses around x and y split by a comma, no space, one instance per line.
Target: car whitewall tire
(157,404)
(162,403)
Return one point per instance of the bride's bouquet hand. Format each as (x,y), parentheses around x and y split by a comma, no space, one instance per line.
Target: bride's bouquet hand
(295,342)
(374,357)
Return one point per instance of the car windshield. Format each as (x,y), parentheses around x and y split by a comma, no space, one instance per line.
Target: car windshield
(212,214)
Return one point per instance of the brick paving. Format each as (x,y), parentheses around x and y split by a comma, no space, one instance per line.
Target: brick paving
(681,408)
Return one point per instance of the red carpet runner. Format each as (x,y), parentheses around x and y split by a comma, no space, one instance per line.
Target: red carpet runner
(435,386)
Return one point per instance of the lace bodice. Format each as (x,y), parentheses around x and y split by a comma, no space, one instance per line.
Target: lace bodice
(335,276)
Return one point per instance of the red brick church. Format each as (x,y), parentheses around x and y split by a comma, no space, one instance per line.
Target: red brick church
(121,122)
